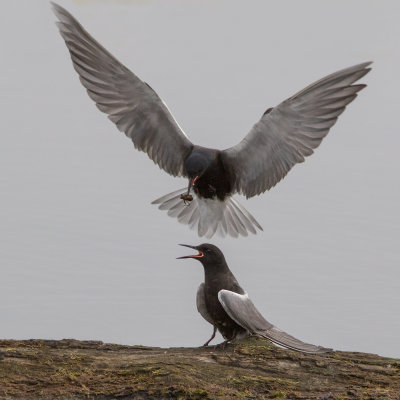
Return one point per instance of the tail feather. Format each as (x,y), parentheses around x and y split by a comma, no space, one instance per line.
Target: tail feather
(233,222)
(194,218)
(209,216)
(185,215)
(248,225)
(284,339)
(247,216)
(167,197)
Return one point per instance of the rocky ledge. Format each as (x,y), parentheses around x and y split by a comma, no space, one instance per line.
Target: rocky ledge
(249,369)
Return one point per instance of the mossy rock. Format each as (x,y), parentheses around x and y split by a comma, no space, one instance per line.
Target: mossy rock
(247,369)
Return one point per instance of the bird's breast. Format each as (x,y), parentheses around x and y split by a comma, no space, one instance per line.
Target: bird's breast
(226,326)
(214,183)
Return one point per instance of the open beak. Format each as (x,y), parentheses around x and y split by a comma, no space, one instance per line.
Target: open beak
(199,255)
(192,181)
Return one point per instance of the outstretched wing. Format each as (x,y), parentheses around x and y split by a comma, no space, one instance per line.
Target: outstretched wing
(129,102)
(242,310)
(288,133)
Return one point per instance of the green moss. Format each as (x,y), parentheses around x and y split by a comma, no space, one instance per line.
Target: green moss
(199,394)
(249,369)
(278,394)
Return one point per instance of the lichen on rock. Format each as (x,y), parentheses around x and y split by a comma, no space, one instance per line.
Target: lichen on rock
(247,369)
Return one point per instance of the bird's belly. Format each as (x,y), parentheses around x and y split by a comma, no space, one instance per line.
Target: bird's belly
(212,186)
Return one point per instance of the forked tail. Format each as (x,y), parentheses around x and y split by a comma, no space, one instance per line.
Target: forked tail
(209,216)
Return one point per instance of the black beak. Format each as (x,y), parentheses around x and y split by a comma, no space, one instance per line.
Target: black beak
(190,185)
(188,192)
(199,255)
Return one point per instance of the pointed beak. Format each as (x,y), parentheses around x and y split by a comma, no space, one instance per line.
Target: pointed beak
(199,255)
(192,181)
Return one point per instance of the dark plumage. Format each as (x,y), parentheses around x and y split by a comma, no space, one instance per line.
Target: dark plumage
(283,137)
(224,304)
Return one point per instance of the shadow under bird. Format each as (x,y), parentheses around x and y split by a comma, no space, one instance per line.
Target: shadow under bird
(283,137)
(223,303)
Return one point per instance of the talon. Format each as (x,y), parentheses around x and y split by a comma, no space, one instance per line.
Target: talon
(222,345)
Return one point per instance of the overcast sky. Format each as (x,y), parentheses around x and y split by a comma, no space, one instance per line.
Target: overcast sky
(84,254)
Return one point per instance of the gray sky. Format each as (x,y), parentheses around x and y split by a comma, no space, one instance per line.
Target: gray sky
(83,254)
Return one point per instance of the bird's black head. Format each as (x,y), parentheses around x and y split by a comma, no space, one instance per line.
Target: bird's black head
(197,163)
(209,255)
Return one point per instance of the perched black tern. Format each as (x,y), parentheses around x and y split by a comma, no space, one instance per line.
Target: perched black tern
(224,304)
(283,137)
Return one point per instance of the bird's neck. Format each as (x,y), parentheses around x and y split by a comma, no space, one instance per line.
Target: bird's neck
(218,277)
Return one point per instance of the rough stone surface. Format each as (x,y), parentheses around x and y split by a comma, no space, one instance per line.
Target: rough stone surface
(249,369)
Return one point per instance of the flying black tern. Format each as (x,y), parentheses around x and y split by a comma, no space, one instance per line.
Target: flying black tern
(224,304)
(283,137)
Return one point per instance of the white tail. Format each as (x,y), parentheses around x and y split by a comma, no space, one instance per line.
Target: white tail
(209,215)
